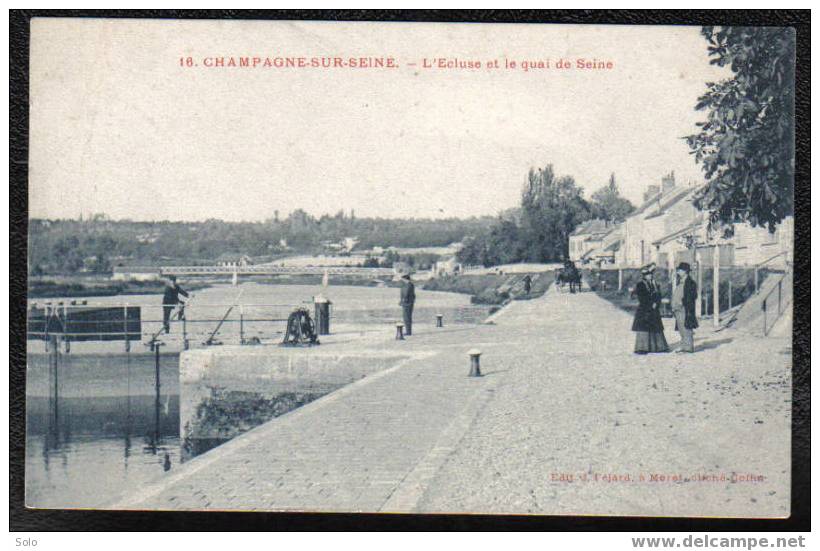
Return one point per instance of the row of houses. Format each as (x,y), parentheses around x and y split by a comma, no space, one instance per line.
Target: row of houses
(667,229)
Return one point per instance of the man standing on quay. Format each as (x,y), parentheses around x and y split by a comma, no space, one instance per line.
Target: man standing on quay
(408,299)
(684,298)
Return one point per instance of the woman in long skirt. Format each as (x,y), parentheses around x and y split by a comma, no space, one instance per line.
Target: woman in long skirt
(647,325)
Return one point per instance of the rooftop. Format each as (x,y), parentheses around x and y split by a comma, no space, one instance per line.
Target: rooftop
(593,226)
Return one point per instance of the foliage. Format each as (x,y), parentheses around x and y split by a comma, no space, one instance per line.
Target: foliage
(96,245)
(746,144)
(551,208)
(608,204)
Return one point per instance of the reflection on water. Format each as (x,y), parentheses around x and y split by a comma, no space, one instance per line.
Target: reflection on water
(91,471)
(95,453)
(85,451)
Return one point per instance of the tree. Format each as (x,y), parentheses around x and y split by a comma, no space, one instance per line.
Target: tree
(746,144)
(473,249)
(552,207)
(608,204)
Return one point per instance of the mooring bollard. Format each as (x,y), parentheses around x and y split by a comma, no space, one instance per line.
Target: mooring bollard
(322,315)
(439,320)
(475,367)
(399,331)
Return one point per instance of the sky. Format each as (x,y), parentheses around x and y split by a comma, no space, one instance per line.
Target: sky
(119,127)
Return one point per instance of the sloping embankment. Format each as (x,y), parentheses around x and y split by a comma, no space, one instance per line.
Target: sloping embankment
(492,288)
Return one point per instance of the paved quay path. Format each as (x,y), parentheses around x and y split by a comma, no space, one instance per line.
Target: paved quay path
(562,398)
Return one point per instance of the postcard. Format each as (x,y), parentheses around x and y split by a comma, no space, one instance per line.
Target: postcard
(537,269)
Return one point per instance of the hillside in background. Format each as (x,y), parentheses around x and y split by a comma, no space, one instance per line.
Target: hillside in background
(98,244)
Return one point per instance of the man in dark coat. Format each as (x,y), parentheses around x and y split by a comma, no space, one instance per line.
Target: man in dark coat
(170,299)
(408,299)
(527,284)
(647,325)
(684,298)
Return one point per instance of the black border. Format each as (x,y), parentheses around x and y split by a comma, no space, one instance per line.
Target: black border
(22,519)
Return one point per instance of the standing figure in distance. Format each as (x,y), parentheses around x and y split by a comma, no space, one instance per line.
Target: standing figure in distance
(170,299)
(408,299)
(684,298)
(527,284)
(647,325)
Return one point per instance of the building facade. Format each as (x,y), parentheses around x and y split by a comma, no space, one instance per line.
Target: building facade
(667,208)
(587,237)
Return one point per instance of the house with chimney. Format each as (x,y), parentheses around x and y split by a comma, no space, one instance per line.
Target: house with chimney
(667,228)
(667,208)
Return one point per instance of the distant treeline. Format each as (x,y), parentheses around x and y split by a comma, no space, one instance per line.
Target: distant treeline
(98,244)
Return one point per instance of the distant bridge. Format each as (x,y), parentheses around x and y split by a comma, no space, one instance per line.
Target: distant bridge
(274,270)
(236,270)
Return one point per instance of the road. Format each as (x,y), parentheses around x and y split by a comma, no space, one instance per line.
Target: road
(565,420)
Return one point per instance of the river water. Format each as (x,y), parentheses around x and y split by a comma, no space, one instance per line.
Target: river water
(106,435)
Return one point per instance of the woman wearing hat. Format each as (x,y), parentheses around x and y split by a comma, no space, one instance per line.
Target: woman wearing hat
(647,325)
(684,298)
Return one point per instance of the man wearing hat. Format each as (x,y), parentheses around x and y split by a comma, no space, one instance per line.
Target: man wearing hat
(684,298)
(408,299)
(170,299)
(647,325)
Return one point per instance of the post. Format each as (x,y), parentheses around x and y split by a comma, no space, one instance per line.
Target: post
(54,379)
(66,341)
(185,344)
(157,393)
(672,278)
(235,278)
(47,317)
(730,291)
(125,327)
(716,287)
(620,279)
(764,316)
(700,283)
(241,324)
(779,295)
(475,362)
(439,320)
(757,287)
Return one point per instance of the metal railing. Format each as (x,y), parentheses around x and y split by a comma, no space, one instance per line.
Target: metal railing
(275,270)
(214,318)
(760,265)
(780,305)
